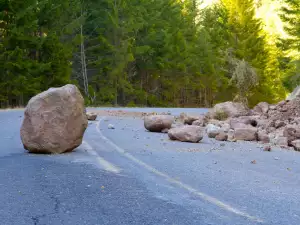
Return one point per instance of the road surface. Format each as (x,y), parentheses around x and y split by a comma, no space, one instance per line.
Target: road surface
(130,176)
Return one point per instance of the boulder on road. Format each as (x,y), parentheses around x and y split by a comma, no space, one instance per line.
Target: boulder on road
(229,109)
(54,121)
(191,133)
(157,123)
(91,116)
(246,134)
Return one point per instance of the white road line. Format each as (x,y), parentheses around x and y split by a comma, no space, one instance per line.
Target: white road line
(102,162)
(202,195)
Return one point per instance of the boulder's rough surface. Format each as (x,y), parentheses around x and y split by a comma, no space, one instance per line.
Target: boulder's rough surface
(231,109)
(91,116)
(186,134)
(246,134)
(54,121)
(157,123)
(222,136)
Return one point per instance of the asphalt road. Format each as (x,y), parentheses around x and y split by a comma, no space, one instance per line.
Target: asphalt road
(130,176)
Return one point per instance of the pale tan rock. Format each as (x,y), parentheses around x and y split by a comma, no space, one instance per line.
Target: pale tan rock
(54,121)
(186,133)
(91,116)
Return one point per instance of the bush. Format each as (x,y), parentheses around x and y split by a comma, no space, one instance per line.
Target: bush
(220,115)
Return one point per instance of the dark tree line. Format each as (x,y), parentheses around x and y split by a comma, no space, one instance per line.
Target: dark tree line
(145,52)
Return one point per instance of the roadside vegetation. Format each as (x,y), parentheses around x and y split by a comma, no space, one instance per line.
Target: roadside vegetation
(149,52)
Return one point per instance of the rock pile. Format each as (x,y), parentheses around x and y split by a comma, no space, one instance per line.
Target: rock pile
(277,124)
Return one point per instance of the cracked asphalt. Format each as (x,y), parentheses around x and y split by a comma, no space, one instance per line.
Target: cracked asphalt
(130,176)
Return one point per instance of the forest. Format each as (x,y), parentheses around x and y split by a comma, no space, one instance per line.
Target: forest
(164,53)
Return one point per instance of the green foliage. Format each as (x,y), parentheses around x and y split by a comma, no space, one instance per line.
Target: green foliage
(221,115)
(143,52)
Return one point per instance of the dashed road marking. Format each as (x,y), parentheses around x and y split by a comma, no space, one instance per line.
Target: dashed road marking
(101,162)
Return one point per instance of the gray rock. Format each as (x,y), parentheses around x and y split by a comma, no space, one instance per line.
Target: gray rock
(91,116)
(212,130)
(110,126)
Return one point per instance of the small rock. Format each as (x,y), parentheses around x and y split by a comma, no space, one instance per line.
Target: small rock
(296,144)
(267,148)
(263,137)
(231,136)
(279,124)
(91,116)
(110,126)
(222,136)
(165,130)
(212,130)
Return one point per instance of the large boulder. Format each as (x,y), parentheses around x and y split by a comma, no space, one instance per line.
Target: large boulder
(54,121)
(246,134)
(191,133)
(224,110)
(157,123)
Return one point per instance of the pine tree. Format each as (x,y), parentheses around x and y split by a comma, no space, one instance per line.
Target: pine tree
(291,16)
